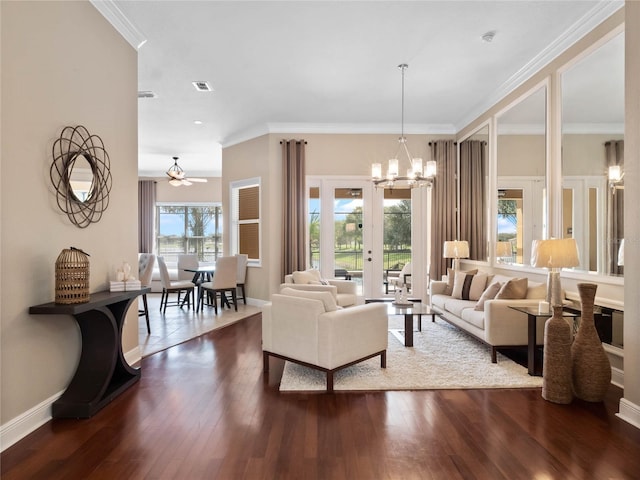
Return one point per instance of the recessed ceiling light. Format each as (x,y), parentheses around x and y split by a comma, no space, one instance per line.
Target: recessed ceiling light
(202,86)
(488,37)
(198,122)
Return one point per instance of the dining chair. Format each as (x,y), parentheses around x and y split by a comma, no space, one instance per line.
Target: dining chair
(145,272)
(243,259)
(169,286)
(224,280)
(187,261)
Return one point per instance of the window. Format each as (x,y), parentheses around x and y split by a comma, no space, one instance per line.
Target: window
(245,218)
(189,229)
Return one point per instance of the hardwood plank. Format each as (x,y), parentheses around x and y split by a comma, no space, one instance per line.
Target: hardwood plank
(204,410)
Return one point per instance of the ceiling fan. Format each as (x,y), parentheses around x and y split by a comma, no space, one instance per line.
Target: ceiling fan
(177,176)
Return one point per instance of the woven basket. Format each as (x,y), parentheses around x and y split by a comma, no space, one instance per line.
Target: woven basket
(72,276)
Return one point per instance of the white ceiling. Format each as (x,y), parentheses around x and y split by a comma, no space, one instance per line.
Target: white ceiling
(330,66)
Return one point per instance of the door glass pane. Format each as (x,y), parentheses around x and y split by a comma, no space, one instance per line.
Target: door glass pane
(510,225)
(314,227)
(347,217)
(396,234)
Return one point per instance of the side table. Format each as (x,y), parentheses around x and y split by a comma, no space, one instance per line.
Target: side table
(102,373)
(533,355)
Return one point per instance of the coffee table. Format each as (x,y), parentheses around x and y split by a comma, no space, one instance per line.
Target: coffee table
(410,311)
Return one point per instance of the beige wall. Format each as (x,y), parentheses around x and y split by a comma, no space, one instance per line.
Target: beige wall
(584,154)
(62,64)
(521,155)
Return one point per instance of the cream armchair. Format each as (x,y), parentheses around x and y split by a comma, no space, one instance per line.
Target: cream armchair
(403,279)
(344,291)
(308,328)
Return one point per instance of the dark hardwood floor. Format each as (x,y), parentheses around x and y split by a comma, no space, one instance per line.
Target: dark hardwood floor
(203,410)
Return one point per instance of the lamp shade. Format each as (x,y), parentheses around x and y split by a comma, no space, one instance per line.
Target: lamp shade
(503,249)
(456,249)
(555,253)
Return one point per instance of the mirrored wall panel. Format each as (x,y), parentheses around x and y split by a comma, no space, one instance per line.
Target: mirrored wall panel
(474,171)
(593,157)
(521,168)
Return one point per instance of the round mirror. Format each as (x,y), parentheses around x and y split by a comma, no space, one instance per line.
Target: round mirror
(80,171)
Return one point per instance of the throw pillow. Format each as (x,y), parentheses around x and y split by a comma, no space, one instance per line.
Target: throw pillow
(451,277)
(303,278)
(536,290)
(489,294)
(326,298)
(469,286)
(516,288)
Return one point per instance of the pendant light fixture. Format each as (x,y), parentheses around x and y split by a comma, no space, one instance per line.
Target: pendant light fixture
(417,173)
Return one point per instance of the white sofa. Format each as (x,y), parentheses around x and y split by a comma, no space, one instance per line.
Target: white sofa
(344,291)
(497,325)
(307,327)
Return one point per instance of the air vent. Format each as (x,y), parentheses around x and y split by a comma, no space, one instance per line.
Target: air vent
(147,94)
(202,86)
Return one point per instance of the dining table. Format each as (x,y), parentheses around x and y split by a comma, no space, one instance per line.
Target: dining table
(201,274)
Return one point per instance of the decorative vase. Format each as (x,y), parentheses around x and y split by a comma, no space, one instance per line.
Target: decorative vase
(590,363)
(556,381)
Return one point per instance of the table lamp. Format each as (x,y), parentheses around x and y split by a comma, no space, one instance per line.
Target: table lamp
(554,254)
(456,249)
(503,250)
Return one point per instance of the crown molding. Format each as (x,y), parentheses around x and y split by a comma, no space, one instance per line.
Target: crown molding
(120,22)
(590,20)
(337,128)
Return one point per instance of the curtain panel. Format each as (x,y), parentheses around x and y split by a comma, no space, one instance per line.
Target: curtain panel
(614,154)
(146,215)
(472,197)
(293,202)
(443,216)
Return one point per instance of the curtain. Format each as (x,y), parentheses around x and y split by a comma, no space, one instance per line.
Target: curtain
(472,197)
(146,215)
(293,200)
(443,211)
(614,153)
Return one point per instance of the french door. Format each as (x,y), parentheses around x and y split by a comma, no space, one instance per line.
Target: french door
(359,232)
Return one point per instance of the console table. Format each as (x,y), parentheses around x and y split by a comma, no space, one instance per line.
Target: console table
(102,372)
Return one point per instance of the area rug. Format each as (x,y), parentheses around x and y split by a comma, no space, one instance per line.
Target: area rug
(442,357)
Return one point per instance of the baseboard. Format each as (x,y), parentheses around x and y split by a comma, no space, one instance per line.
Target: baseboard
(629,412)
(617,377)
(21,426)
(134,355)
(256,302)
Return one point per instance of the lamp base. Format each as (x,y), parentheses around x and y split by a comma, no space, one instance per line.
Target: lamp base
(554,290)
(455,264)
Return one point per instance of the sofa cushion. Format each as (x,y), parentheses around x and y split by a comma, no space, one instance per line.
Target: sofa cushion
(490,292)
(455,306)
(474,317)
(469,286)
(326,298)
(516,288)
(439,300)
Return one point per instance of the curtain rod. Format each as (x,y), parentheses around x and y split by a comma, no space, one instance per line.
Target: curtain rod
(431,143)
(297,141)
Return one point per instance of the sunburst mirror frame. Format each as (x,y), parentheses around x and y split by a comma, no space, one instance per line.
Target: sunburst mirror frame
(77,144)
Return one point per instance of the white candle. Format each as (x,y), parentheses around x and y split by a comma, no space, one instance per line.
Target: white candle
(543,307)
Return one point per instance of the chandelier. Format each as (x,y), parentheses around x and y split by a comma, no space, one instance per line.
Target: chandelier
(418,175)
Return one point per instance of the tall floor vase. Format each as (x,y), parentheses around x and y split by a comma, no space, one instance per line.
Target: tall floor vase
(591,367)
(556,381)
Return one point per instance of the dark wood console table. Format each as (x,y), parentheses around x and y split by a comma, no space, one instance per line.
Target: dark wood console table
(102,372)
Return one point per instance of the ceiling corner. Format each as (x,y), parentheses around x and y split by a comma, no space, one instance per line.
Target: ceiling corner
(120,22)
